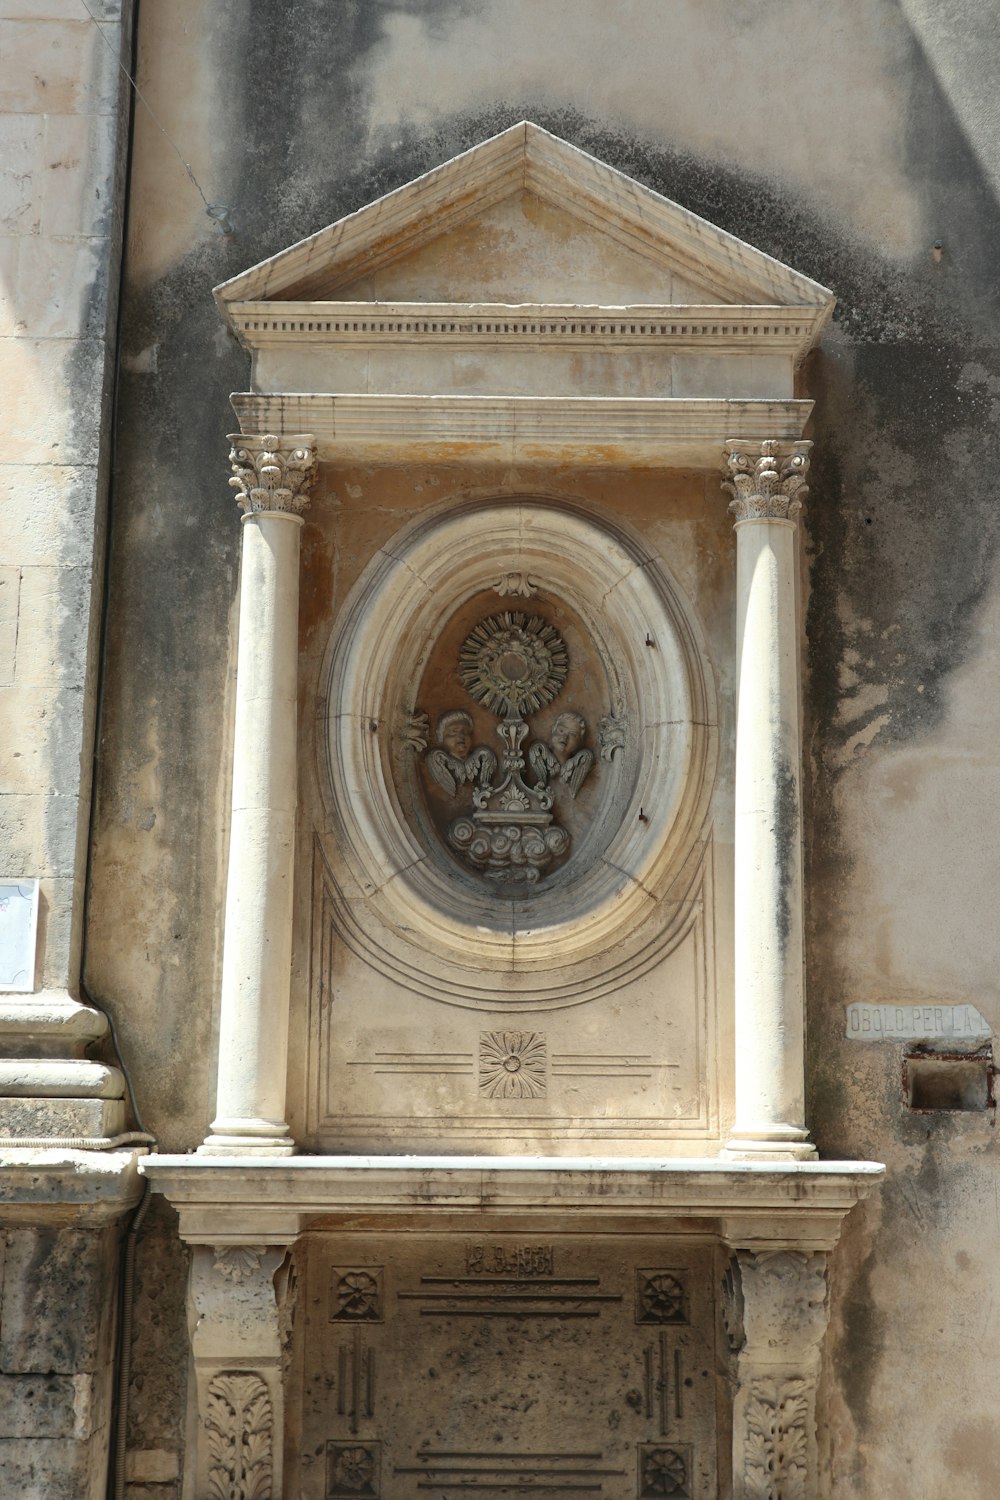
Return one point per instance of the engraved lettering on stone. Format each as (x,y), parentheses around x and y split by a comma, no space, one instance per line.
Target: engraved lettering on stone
(237,1262)
(776,1450)
(509,1260)
(269,477)
(612,734)
(887,1023)
(767,480)
(512,1065)
(239,1432)
(415,732)
(352,1469)
(663,1471)
(356,1295)
(516,583)
(660,1297)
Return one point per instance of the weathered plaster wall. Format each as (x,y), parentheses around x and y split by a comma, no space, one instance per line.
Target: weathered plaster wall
(846,139)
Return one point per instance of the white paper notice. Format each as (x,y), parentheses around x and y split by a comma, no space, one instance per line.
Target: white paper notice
(18,923)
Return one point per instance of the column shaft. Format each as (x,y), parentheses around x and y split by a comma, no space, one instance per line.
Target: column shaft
(768,938)
(257,954)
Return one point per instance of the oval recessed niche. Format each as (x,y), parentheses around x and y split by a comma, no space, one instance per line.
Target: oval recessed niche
(519,753)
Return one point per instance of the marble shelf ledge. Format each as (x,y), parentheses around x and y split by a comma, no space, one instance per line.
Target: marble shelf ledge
(270,1201)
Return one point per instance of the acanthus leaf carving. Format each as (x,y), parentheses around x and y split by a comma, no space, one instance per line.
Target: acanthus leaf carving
(239,1429)
(272,473)
(415,732)
(776,1441)
(612,734)
(766,480)
(784,1294)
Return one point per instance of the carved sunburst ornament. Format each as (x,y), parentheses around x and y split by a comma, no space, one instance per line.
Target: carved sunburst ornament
(512,1064)
(512,664)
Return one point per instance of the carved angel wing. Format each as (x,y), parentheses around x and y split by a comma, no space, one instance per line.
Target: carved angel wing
(446,770)
(576,770)
(543,762)
(481,765)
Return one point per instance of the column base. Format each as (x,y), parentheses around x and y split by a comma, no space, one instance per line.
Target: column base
(769,1143)
(248,1145)
(252,1136)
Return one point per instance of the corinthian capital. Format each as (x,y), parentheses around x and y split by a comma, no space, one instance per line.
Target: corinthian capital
(766,480)
(273,473)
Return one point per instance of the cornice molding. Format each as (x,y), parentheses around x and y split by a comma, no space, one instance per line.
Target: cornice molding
(747,328)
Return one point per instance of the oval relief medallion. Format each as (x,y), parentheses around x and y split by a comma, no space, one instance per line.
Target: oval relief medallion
(521,749)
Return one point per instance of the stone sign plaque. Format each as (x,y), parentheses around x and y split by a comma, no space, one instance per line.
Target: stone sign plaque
(912,1022)
(508,1364)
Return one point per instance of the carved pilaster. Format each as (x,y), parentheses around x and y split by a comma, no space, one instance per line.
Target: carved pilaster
(776,1315)
(237,1314)
(766,480)
(272,473)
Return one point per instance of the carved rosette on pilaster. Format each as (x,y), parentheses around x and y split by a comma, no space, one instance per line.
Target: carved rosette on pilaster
(273,473)
(779,1304)
(766,480)
(237,1316)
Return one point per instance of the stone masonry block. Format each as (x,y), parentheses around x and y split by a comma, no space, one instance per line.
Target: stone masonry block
(53,1468)
(47,1406)
(47,514)
(58,1302)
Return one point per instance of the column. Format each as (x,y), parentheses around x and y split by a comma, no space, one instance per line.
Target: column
(272,477)
(775,1311)
(239,1307)
(767,482)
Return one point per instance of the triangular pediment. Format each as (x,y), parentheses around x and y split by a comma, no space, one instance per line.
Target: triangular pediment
(525,218)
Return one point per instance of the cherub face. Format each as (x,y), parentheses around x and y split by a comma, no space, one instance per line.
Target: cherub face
(456,737)
(567,735)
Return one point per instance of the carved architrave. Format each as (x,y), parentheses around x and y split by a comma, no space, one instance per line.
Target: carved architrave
(239,1434)
(766,480)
